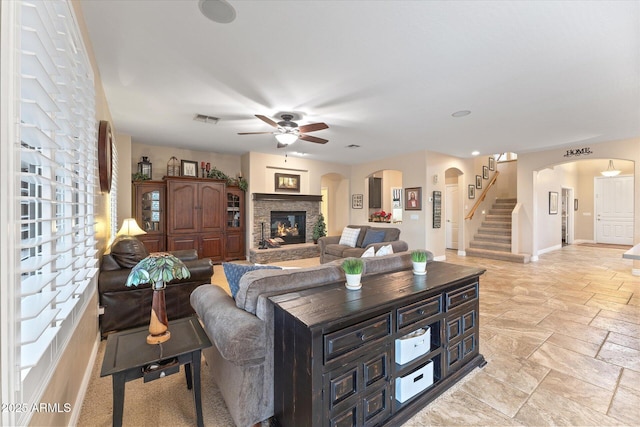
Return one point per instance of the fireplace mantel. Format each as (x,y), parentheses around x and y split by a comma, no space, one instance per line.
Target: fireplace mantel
(287,197)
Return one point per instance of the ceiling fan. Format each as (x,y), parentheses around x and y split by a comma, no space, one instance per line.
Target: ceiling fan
(288,131)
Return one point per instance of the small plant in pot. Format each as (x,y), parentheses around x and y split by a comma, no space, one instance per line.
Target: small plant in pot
(353,272)
(319,229)
(419,259)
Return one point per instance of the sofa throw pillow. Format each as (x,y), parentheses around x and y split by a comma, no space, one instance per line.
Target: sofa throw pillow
(128,252)
(385,250)
(373,237)
(368,253)
(349,236)
(233,273)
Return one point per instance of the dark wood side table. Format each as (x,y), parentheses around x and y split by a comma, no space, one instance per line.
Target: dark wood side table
(128,357)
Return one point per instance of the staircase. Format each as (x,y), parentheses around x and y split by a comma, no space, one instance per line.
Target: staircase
(493,239)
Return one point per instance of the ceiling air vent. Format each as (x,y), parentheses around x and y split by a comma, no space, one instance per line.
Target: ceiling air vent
(206,119)
(353,146)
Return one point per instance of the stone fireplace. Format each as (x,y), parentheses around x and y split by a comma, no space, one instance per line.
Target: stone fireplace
(290,215)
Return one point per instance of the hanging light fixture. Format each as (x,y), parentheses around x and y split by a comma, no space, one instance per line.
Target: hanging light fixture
(611,170)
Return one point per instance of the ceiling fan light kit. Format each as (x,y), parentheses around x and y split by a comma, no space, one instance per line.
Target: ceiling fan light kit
(286,138)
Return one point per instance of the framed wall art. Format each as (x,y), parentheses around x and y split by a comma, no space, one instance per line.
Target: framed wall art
(287,182)
(472,191)
(553,202)
(357,201)
(485,172)
(413,199)
(492,163)
(188,168)
(478,182)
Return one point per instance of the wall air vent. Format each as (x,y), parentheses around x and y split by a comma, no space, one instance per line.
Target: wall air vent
(205,119)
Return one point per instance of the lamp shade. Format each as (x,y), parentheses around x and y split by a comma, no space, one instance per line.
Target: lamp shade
(611,170)
(130,228)
(286,138)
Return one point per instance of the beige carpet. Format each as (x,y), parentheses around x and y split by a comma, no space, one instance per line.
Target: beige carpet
(164,402)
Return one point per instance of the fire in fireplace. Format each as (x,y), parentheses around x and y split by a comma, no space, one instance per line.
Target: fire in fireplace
(289,226)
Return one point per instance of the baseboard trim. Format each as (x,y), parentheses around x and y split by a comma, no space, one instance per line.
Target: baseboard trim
(84,386)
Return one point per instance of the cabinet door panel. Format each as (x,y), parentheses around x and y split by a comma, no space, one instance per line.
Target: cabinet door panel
(154,243)
(234,246)
(179,243)
(211,246)
(211,205)
(183,215)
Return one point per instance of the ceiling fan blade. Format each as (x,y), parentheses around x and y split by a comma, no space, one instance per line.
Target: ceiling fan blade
(267,120)
(313,127)
(252,133)
(313,139)
(281,145)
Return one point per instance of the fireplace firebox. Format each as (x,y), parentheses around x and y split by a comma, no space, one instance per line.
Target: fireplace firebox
(290,226)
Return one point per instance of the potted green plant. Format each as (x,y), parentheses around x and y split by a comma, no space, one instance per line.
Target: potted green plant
(319,229)
(419,259)
(353,272)
(158,269)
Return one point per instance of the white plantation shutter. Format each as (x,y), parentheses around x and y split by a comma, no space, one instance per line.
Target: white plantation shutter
(56,144)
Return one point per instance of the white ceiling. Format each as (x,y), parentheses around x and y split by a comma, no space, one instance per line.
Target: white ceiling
(385,75)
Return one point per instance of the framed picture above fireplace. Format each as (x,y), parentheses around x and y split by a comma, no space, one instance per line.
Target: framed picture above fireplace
(287,182)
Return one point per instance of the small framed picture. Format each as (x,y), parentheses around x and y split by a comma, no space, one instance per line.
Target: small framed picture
(413,199)
(472,191)
(188,168)
(356,201)
(478,182)
(492,163)
(287,182)
(553,202)
(485,172)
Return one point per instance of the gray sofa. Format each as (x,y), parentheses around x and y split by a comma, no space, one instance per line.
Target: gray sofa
(241,358)
(331,250)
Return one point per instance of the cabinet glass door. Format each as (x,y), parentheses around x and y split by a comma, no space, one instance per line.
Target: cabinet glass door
(151,212)
(233,211)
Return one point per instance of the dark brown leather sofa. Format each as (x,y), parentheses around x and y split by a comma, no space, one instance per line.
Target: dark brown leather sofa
(128,307)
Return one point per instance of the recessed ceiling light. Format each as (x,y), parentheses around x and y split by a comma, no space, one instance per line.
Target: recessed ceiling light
(218,11)
(475,153)
(461,113)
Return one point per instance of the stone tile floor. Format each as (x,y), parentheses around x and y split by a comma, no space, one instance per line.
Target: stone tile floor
(562,340)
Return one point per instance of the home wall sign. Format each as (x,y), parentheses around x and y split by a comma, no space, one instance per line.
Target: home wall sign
(578,152)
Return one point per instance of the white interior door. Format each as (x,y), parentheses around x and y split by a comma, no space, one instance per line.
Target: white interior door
(614,210)
(451,216)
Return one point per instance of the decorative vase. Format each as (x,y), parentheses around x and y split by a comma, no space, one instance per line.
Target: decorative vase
(159,323)
(353,281)
(419,268)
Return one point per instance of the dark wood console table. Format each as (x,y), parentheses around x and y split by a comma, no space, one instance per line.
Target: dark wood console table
(335,355)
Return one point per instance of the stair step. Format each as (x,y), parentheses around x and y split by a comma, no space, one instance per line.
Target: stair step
(494,246)
(512,200)
(495,231)
(506,212)
(496,224)
(503,256)
(498,218)
(498,238)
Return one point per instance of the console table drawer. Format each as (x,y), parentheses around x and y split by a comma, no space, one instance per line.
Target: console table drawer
(462,296)
(421,310)
(345,340)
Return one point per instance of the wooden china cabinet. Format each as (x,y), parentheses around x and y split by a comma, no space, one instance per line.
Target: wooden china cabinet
(149,203)
(192,213)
